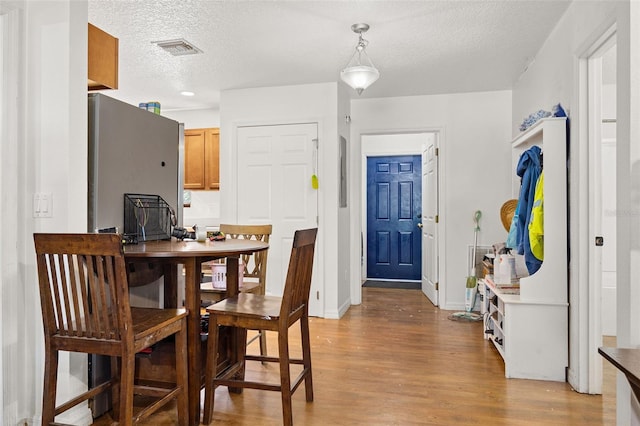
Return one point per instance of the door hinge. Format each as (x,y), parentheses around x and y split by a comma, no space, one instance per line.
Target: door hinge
(437,286)
(437,151)
(318,220)
(318,295)
(437,218)
(315,141)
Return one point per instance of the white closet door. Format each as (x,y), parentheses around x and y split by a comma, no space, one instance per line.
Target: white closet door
(275,165)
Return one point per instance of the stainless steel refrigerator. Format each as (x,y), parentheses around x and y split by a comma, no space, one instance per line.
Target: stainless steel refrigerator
(131,151)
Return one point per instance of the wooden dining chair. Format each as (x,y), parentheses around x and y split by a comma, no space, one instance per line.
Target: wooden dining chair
(254,268)
(278,314)
(85,308)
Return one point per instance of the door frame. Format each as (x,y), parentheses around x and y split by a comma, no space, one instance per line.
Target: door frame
(391,150)
(594,90)
(585,327)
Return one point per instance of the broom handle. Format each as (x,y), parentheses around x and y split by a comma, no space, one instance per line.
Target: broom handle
(476,219)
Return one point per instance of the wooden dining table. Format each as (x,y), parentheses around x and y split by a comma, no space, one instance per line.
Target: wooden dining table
(191,255)
(627,360)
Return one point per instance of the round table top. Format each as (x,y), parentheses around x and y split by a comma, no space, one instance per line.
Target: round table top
(189,248)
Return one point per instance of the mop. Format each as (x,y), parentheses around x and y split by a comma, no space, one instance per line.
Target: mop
(472,282)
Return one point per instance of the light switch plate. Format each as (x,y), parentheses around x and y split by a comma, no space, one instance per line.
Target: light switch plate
(43,204)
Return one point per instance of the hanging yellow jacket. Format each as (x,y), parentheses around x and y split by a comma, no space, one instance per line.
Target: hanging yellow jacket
(536,224)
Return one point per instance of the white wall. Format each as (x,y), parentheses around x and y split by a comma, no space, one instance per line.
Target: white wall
(205,205)
(475,163)
(195,118)
(48,153)
(5,138)
(294,104)
(555,76)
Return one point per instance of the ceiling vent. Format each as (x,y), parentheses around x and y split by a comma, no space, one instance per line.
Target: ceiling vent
(178,47)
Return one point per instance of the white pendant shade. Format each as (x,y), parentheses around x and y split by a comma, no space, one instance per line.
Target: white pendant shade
(360,72)
(359,77)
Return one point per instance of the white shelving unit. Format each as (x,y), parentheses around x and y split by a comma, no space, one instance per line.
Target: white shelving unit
(530,329)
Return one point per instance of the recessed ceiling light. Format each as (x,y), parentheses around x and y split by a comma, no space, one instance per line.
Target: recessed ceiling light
(186,93)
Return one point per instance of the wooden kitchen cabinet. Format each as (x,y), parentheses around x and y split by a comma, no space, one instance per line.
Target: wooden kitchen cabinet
(102,60)
(202,158)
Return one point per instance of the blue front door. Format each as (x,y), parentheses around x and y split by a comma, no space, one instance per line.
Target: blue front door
(394,191)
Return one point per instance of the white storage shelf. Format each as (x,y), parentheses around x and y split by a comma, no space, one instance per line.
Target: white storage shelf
(531,337)
(530,329)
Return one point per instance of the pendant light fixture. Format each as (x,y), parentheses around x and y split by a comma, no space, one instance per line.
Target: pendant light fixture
(360,72)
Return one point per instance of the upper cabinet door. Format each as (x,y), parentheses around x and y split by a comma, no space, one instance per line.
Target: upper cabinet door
(194,159)
(212,154)
(202,158)
(102,60)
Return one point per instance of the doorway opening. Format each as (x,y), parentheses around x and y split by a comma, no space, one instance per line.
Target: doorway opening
(406,145)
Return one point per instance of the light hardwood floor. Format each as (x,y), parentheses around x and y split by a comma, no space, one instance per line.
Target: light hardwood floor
(397,360)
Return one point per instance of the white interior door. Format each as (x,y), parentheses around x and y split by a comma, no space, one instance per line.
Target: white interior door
(430,218)
(275,165)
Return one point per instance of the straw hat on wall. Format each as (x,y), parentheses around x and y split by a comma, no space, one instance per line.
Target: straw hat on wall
(507,211)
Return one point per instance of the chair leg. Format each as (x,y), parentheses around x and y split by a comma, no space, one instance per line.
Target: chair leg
(211,370)
(50,383)
(263,333)
(127,370)
(263,343)
(241,352)
(306,357)
(285,377)
(116,368)
(181,374)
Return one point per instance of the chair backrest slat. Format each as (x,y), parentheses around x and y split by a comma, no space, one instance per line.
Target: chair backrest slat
(298,281)
(56,263)
(99,287)
(112,302)
(85,296)
(76,303)
(66,279)
(83,286)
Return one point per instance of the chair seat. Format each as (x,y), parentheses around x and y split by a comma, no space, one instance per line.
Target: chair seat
(248,304)
(245,286)
(148,321)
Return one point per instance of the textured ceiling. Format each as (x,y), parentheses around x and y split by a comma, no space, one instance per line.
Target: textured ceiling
(420,47)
